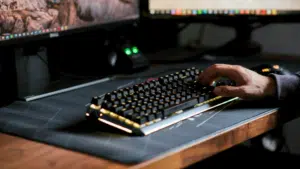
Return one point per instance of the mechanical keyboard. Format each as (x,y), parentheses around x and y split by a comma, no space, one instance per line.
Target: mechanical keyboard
(155,104)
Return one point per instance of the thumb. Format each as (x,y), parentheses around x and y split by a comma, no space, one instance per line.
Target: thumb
(229,91)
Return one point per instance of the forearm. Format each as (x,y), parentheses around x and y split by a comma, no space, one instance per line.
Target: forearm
(288,92)
(286,85)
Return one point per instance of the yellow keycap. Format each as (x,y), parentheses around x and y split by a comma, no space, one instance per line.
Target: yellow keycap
(276,66)
(128,122)
(122,118)
(113,115)
(266,70)
(136,125)
(104,111)
(95,107)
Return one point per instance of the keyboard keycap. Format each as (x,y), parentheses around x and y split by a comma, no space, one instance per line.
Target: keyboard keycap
(181,106)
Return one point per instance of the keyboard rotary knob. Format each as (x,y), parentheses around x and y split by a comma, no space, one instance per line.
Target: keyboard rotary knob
(95,101)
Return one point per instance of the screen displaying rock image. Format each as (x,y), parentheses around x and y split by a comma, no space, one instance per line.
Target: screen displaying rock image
(20,17)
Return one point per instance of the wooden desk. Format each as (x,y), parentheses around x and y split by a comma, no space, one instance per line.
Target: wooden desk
(19,153)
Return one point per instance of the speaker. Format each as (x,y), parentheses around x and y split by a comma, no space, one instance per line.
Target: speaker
(127,58)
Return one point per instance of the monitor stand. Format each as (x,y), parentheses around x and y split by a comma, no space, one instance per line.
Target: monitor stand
(29,73)
(242,45)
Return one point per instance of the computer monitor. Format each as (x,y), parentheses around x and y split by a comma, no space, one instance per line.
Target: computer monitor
(27,20)
(208,10)
(27,25)
(243,15)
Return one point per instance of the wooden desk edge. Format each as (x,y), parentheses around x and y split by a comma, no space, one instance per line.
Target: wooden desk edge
(214,144)
(34,154)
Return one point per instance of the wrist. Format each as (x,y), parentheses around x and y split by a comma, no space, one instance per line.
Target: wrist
(270,88)
(285,85)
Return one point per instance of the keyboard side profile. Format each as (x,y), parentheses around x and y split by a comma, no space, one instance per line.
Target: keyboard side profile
(153,105)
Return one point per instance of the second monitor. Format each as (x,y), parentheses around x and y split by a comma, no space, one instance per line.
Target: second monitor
(243,15)
(74,25)
(35,19)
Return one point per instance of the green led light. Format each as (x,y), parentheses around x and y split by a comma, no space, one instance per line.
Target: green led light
(135,50)
(127,51)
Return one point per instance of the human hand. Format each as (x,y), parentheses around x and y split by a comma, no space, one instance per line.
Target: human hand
(249,84)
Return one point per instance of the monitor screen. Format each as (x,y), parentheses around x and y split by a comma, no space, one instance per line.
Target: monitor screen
(223,7)
(33,18)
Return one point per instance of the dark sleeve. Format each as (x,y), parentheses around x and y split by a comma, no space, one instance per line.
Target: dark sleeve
(286,84)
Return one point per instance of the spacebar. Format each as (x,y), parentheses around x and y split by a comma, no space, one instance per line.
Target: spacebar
(181,106)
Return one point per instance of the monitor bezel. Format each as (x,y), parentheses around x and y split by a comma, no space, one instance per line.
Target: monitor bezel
(61,34)
(289,17)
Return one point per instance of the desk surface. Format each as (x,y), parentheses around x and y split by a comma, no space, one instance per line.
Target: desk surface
(19,153)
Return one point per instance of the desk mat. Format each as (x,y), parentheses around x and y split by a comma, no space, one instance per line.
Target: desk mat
(59,120)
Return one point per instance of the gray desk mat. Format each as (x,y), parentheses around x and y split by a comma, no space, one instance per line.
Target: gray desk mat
(59,120)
